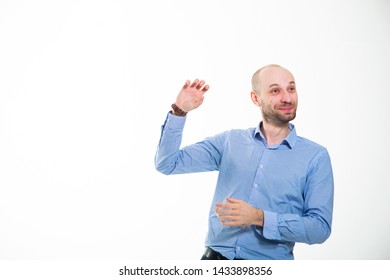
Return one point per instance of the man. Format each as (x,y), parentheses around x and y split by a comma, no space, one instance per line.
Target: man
(274,188)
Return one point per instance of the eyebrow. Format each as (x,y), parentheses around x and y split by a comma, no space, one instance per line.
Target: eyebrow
(290,83)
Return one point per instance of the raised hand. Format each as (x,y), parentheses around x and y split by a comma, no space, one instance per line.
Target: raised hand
(191,95)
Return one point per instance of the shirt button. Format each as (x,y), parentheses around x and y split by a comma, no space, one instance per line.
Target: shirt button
(261,166)
(238,248)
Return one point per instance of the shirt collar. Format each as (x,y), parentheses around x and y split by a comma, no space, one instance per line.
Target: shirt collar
(289,140)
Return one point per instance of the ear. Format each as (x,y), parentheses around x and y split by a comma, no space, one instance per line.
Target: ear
(255,99)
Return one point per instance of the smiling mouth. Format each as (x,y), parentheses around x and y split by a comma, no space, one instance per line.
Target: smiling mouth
(285,108)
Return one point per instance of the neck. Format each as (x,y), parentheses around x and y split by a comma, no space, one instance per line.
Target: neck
(274,134)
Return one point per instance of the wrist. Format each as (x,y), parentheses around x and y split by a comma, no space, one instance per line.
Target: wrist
(177,111)
(259,218)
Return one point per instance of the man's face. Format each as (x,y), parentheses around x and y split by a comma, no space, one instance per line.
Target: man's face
(278,96)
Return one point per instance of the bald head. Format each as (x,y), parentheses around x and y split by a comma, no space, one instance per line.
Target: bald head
(257,78)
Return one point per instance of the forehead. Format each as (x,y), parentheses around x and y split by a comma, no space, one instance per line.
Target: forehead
(275,75)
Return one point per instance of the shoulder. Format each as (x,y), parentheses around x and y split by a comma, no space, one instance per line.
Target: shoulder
(313,149)
(302,141)
(237,133)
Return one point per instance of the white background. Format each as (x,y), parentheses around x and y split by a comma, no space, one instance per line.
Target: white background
(85,86)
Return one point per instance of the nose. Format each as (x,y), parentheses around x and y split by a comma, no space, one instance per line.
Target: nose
(286,98)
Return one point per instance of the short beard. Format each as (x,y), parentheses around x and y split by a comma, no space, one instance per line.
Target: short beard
(277,119)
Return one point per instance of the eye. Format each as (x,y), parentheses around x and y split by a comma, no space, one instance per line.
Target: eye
(291,89)
(275,90)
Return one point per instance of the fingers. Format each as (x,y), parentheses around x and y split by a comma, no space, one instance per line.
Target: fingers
(229,223)
(200,84)
(230,204)
(186,84)
(224,211)
(228,219)
(231,213)
(233,200)
(222,205)
(225,215)
(197,84)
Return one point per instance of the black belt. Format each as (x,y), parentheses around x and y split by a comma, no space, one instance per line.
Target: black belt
(210,254)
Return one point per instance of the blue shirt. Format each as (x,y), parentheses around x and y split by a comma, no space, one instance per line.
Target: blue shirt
(292,182)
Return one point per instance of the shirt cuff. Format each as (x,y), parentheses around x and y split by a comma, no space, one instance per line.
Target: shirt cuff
(174,122)
(270,228)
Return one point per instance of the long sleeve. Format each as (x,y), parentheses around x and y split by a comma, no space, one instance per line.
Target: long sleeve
(170,159)
(314,225)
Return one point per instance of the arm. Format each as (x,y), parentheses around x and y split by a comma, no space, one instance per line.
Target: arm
(315,223)
(203,156)
(313,226)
